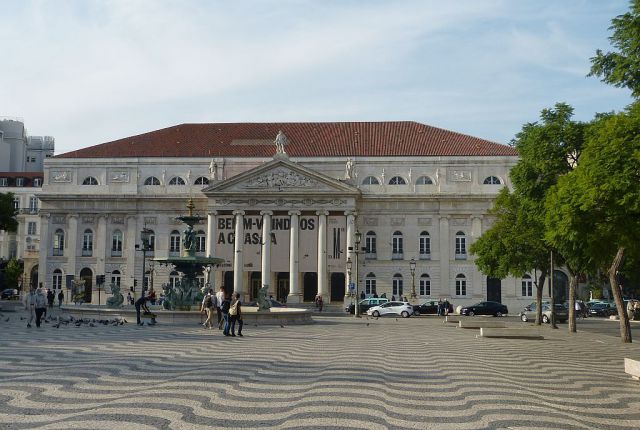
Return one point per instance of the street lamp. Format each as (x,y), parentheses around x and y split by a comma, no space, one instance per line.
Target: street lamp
(145,236)
(412,267)
(358,238)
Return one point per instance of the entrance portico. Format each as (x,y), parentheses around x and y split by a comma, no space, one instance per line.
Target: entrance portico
(290,220)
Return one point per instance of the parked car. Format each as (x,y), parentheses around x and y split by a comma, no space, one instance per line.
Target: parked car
(529,313)
(404,309)
(485,308)
(9,294)
(366,304)
(602,310)
(428,307)
(274,303)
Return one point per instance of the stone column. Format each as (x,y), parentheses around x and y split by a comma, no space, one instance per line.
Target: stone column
(476,289)
(445,290)
(295,296)
(211,233)
(351,243)
(71,245)
(322,254)
(45,247)
(238,258)
(100,244)
(266,249)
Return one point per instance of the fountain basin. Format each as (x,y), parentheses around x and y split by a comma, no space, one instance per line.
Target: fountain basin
(250,315)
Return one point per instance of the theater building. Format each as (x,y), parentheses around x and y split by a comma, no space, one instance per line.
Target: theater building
(283,204)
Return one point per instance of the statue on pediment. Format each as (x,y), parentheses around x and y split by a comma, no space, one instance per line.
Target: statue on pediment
(281,141)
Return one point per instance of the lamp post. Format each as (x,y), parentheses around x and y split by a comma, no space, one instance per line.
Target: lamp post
(145,234)
(358,238)
(412,267)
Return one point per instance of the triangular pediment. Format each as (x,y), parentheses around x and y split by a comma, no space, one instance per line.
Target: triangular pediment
(281,176)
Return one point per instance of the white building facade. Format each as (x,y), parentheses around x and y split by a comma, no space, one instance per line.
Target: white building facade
(413,192)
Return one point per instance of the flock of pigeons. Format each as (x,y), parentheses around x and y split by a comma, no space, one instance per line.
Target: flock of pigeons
(65,321)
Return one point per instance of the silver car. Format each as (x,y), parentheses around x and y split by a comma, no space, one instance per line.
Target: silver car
(529,313)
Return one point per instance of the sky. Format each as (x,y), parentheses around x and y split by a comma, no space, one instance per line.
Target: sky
(89,71)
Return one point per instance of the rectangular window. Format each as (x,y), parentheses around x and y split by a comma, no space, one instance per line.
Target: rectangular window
(57,281)
(370,244)
(397,287)
(425,287)
(369,286)
(3,182)
(461,287)
(33,204)
(425,246)
(19,182)
(201,244)
(16,203)
(174,243)
(115,280)
(461,248)
(527,287)
(397,245)
(31,228)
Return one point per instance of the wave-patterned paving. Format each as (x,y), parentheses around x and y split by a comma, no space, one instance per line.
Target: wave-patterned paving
(339,373)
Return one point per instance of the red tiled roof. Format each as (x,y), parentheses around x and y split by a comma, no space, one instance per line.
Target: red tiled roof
(306,139)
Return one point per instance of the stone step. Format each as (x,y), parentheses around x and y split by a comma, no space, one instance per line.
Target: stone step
(452,319)
(481,324)
(632,367)
(515,333)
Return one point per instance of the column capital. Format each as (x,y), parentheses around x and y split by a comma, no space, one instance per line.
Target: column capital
(323,212)
(351,213)
(213,213)
(263,213)
(295,213)
(236,213)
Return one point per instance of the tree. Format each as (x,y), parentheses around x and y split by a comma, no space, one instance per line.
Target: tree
(12,273)
(621,67)
(598,204)
(8,220)
(516,243)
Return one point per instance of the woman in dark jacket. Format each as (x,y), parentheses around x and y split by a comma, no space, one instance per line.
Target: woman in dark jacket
(238,315)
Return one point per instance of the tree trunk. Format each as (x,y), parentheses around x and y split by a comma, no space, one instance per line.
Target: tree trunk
(573,284)
(539,291)
(625,327)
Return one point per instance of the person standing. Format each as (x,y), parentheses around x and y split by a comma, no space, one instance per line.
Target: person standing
(207,307)
(60,298)
(51,297)
(224,308)
(319,302)
(141,303)
(219,299)
(40,305)
(30,304)
(235,314)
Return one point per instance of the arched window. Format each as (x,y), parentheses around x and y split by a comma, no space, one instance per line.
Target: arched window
(87,243)
(397,284)
(461,285)
(370,244)
(425,285)
(397,180)
(492,180)
(425,245)
(370,180)
(202,181)
(116,243)
(152,180)
(201,241)
(461,246)
(115,278)
(424,180)
(90,180)
(177,180)
(527,286)
(174,277)
(57,279)
(58,242)
(397,246)
(370,284)
(174,242)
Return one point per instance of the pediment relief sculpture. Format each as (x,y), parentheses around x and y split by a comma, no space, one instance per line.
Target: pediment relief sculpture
(280,179)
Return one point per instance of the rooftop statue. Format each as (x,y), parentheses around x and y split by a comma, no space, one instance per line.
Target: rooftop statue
(350,169)
(281,141)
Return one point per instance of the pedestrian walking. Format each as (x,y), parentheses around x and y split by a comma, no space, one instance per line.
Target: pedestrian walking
(51,297)
(362,296)
(440,307)
(224,308)
(446,306)
(207,307)
(60,298)
(141,303)
(129,299)
(235,314)
(40,305)
(219,299)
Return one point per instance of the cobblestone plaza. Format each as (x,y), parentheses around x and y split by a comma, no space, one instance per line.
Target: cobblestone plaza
(337,373)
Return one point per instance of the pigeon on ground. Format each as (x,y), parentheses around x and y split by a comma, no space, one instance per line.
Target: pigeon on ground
(367,324)
(281,326)
(22,318)
(92,325)
(57,325)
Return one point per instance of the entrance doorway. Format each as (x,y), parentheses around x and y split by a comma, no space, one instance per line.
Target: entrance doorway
(337,286)
(86,275)
(255,284)
(227,282)
(310,286)
(282,290)
(494,290)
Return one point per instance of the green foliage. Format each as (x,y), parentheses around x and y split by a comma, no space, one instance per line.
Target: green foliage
(12,273)
(621,67)
(8,220)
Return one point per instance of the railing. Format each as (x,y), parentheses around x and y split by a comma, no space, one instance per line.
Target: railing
(115,253)
(87,252)
(461,256)
(58,252)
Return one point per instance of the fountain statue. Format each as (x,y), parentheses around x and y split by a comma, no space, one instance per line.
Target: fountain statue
(186,292)
(116,299)
(263,303)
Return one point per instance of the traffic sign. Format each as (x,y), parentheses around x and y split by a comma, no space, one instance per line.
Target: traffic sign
(352,287)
